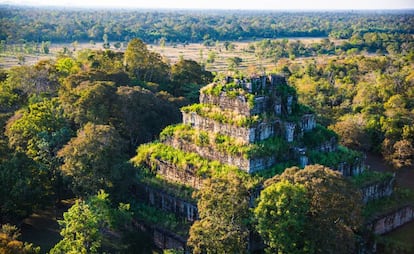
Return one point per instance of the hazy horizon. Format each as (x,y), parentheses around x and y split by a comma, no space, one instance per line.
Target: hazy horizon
(224,5)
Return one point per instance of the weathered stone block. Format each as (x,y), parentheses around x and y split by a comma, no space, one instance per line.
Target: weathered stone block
(289,131)
(173,173)
(308,122)
(330,145)
(252,134)
(165,239)
(238,104)
(170,203)
(249,165)
(378,190)
(392,220)
(353,169)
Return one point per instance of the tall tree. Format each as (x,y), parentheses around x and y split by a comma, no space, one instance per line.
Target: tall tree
(144,65)
(136,58)
(28,127)
(401,154)
(334,213)
(88,101)
(187,77)
(189,71)
(94,159)
(40,131)
(352,132)
(33,80)
(22,188)
(80,231)
(281,216)
(87,224)
(139,115)
(223,204)
(67,66)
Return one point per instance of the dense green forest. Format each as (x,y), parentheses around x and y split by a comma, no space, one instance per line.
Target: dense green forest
(62,25)
(367,100)
(71,124)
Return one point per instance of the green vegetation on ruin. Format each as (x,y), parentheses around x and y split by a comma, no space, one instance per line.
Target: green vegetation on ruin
(165,220)
(335,158)
(222,116)
(157,181)
(285,90)
(235,89)
(376,208)
(150,155)
(277,169)
(232,90)
(301,109)
(318,136)
(274,146)
(369,177)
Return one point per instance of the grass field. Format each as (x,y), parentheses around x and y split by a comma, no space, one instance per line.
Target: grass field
(10,59)
(199,53)
(172,52)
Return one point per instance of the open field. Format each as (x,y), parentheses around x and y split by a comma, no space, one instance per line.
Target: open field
(172,52)
(199,53)
(9,59)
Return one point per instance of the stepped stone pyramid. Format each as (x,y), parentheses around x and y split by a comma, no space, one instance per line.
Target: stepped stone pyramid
(252,124)
(255,125)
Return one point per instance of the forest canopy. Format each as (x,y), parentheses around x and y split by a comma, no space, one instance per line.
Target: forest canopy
(68,25)
(71,122)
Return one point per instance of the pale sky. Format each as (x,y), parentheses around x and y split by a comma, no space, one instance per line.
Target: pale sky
(227,4)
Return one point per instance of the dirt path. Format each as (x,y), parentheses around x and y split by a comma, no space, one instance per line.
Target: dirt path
(41,229)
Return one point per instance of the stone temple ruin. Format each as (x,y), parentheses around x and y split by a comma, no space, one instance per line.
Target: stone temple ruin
(253,124)
(240,118)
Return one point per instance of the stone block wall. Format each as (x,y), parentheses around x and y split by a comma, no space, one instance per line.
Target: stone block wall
(353,169)
(162,238)
(173,173)
(170,203)
(238,104)
(308,122)
(258,164)
(261,105)
(247,134)
(392,220)
(242,133)
(208,152)
(378,190)
(165,240)
(328,146)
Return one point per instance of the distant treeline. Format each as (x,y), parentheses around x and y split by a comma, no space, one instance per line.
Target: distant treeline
(18,24)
